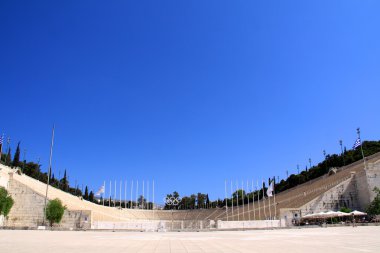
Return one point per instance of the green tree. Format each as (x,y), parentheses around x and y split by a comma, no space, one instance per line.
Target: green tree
(64,183)
(85,193)
(16,158)
(54,211)
(141,201)
(374,207)
(8,159)
(6,202)
(91,196)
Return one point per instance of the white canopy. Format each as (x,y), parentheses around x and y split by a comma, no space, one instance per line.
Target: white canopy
(358,213)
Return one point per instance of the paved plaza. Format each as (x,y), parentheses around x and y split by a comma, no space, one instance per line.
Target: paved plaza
(341,239)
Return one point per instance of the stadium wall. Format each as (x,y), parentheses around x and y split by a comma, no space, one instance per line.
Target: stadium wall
(27,211)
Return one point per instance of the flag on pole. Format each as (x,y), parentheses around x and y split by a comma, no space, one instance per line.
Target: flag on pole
(270,189)
(358,142)
(100,191)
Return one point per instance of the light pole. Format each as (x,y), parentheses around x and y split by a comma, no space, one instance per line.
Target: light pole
(309,163)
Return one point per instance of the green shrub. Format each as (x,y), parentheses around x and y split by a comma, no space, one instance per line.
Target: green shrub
(346,210)
(6,202)
(374,207)
(54,211)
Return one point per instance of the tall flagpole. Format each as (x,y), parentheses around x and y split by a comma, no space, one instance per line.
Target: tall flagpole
(137,193)
(253,201)
(153,198)
(274,200)
(147,194)
(131,206)
(49,172)
(143,193)
(121,182)
(242,196)
(262,185)
(125,193)
(232,201)
(361,147)
(258,197)
(237,199)
(270,211)
(249,214)
(225,196)
(114,196)
(109,200)
(104,192)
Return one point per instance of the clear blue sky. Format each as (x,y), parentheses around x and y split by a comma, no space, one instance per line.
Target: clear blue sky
(188,93)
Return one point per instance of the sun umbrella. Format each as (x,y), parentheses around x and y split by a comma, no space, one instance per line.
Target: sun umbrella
(358,213)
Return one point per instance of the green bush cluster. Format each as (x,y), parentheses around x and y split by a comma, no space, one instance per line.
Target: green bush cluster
(54,211)
(6,202)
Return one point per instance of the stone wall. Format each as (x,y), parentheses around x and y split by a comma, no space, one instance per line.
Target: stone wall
(373,178)
(344,194)
(355,193)
(28,208)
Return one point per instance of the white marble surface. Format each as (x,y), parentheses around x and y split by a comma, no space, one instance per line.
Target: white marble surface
(326,240)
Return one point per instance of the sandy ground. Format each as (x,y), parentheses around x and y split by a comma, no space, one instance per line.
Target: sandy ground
(341,239)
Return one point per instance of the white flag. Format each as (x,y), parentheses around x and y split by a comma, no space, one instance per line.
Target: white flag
(100,191)
(270,189)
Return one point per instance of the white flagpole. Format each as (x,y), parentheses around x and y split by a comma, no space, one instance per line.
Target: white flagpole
(270,212)
(361,147)
(121,182)
(143,194)
(104,192)
(253,201)
(109,200)
(237,199)
(274,200)
(262,185)
(249,214)
(153,198)
(258,197)
(147,194)
(131,206)
(232,202)
(114,199)
(225,195)
(137,193)
(242,197)
(125,193)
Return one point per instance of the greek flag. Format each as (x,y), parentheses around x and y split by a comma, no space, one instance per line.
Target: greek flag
(358,142)
(100,191)
(270,189)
